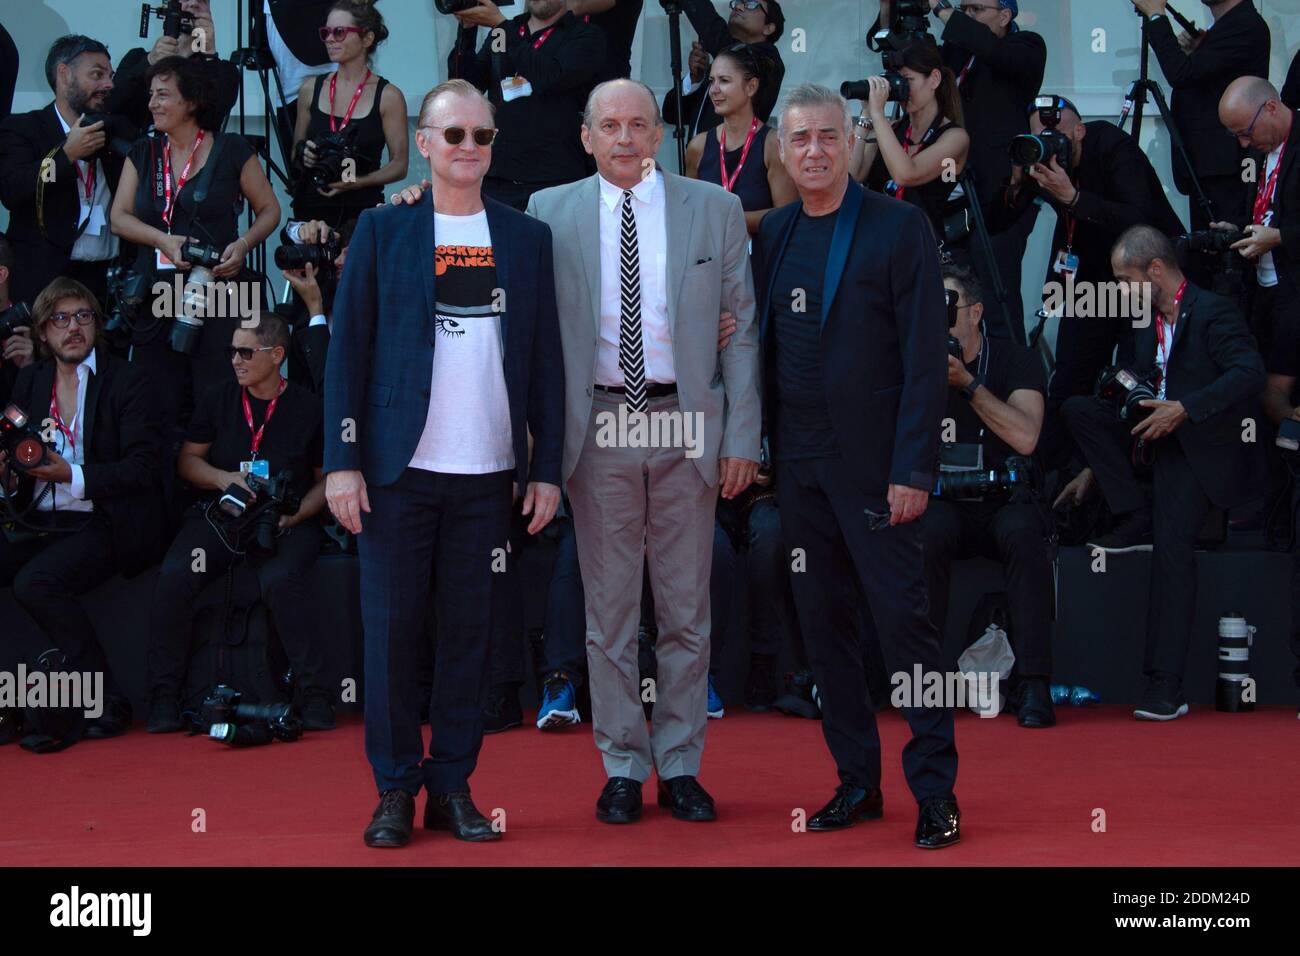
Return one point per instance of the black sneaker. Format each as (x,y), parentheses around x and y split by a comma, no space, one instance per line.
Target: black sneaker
(164,716)
(502,710)
(317,711)
(1131,534)
(760,689)
(801,697)
(1163,699)
(113,722)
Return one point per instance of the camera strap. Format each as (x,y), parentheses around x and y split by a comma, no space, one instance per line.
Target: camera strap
(169,200)
(1163,350)
(965,69)
(1264,194)
(937,127)
(256,441)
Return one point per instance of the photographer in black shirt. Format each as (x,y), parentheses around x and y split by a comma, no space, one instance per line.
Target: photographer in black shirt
(258,424)
(996,394)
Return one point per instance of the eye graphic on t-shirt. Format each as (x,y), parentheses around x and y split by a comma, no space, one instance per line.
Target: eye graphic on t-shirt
(448,326)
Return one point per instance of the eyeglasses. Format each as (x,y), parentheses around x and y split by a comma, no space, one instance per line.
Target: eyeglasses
(1251,127)
(244,352)
(969,8)
(455,135)
(747,5)
(61,320)
(338,34)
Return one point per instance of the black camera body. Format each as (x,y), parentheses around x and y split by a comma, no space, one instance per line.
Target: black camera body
(319,255)
(1027,149)
(175,20)
(1209,241)
(459,6)
(254,523)
(1017,472)
(332,151)
(198,253)
(1230,266)
(119,134)
(1126,389)
(17,315)
(22,443)
(909,23)
(224,716)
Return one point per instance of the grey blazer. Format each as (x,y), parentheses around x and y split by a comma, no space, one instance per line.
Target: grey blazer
(708,272)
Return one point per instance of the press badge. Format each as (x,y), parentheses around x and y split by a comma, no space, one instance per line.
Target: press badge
(259,467)
(515,87)
(1067,263)
(161,261)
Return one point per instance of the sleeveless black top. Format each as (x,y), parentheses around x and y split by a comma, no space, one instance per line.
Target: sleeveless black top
(751,185)
(370,143)
(931,197)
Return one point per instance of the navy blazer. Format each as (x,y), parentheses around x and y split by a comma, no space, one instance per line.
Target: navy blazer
(379,371)
(883,339)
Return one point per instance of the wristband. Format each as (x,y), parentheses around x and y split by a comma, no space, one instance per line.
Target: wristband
(971,387)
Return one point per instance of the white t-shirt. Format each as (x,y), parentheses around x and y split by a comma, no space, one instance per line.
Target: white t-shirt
(1265,271)
(467,431)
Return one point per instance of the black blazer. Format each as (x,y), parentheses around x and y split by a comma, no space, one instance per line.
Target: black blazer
(123,463)
(884,330)
(1216,371)
(1237,45)
(1286,217)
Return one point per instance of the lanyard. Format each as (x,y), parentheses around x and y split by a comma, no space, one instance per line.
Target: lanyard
(88,180)
(1160,333)
(1069,232)
(892,187)
(57,418)
(168,211)
(1264,195)
(541,37)
(729,182)
(965,69)
(256,443)
(335,126)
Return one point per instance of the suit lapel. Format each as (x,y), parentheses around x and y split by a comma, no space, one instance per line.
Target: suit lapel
(679,216)
(500,238)
(587,222)
(424,229)
(1184,310)
(846,222)
(773,262)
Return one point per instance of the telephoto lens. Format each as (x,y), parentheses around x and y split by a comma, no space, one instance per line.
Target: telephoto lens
(1230,690)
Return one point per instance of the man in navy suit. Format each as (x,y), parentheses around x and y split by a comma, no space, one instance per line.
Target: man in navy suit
(444,356)
(853,324)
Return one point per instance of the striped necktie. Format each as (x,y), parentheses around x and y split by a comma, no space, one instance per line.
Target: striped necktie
(631,350)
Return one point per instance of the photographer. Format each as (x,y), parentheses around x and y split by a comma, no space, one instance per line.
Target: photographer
(759,23)
(617,19)
(919,157)
(255,423)
(1198,349)
(94,502)
(57,175)
(16,348)
(346,121)
(996,394)
(1236,44)
(308,313)
(1109,185)
(538,87)
(290,30)
(189,184)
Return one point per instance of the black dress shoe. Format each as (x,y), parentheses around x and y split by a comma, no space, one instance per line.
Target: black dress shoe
(113,722)
(1035,704)
(11,725)
(688,800)
(393,820)
(848,806)
(317,710)
(164,716)
(502,710)
(620,801)
(937,823)
(456,812)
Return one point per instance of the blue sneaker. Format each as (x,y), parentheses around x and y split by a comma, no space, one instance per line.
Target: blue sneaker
(559,705)
(715,702)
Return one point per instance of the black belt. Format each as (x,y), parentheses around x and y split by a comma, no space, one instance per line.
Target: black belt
(652,389)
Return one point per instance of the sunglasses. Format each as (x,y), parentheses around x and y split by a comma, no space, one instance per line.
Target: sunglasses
(338,34)
(455,135)
(244,352)
(61,320)
(746,4)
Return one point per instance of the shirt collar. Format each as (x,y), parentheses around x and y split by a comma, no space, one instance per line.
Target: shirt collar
(88,363)
(644,191)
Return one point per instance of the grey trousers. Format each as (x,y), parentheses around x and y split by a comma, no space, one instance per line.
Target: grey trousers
(632,505)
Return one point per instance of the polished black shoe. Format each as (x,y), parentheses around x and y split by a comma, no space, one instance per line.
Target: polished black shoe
(687,799)
(502,710)
(1034,704)
(164,716)
(317,711)
(620,801)
(456,812)
(1163,698)
(937,823)
(11,725)
(760,689)
(113,722)
(393,820)
(848,806)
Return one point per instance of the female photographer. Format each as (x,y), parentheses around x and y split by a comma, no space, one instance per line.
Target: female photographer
(189,183)
(254,423)
(352,105)
(745,161)
(919,158)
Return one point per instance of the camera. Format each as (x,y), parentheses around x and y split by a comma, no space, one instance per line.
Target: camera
(1126,389)
(119,134)
(254,523)
(951,298)
(18,314)
(899,90)
(332,152)
(908,23)
(203,258)
(21,442)
(1029,148)
(228,719)
(1211,241)
(1016,472)
(175,20)
(299,255)
(458,6)
(1230,268)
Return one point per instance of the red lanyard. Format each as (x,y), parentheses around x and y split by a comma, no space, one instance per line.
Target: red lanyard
(1264,195)
(256,443)
(56,417)
(1069,231)
(965,69)
(541,38)
(1160,330)
(167,177)
(729,182)
(88,180)
(907,141)
(335,126)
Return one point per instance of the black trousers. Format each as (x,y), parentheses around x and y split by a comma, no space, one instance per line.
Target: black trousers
(1106,445)
(1012,533)
(1084,347)
(822,514)
(283,577)
(772,619)
(1295,578)
(48,574)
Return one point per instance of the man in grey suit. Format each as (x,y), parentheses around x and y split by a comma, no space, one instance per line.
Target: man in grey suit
(656,419)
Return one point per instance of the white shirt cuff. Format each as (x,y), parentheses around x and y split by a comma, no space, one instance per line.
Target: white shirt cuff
(317,320)
(689,86)
(77,486)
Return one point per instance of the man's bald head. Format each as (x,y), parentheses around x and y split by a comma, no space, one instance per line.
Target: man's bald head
(1251,110)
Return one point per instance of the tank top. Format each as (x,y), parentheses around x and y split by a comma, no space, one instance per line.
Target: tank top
(751,185)
(932,197)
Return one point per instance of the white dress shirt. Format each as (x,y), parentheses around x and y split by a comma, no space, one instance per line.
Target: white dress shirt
(96,242)
(1265,270)
(652,248)
(68,495)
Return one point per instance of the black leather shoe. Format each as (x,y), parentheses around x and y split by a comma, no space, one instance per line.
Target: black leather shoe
(937,823)
(502,710)
(11,725)
(620,801)
(688,800)
(317,710)
(847,807)
(393,820)
(113,722)
(456,812)
(164,716)
(1035,704)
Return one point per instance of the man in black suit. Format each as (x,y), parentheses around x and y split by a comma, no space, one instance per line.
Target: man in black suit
(1210,375)
(308,312)
(95,504)
(57,177)
(851,308)
(1236,44)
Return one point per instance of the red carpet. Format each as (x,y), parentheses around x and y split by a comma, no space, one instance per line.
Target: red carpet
(1209,789)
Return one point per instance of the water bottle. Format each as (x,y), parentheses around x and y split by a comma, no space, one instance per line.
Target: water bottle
(1074,696)
(1235,638)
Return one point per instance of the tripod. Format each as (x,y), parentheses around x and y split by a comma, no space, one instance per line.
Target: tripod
(674,12)
(981,231)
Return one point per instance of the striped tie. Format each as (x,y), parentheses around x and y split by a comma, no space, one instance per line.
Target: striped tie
(631,351)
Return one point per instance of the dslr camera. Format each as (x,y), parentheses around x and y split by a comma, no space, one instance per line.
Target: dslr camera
(254,523)
(333,150)
(1230,266)
(18,314)
(22,443)
(175,20)
(1016,472)
(908,23)
(203,258)
(1125,388)
(319,255)
(1029,148)
(458,6)
(224,716)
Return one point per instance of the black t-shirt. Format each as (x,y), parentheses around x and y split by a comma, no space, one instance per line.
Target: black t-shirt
(294,437)
(1009,367)
(803,420)
(619,25)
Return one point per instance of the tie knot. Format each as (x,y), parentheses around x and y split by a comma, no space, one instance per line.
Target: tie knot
(627,197)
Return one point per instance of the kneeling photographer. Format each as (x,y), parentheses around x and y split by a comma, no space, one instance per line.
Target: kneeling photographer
(985,503)
(1179,406)
(254,452)
(310,258)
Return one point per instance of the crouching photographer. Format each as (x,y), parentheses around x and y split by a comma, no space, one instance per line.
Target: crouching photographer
(984,502)
(253,450)
(1180,404)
